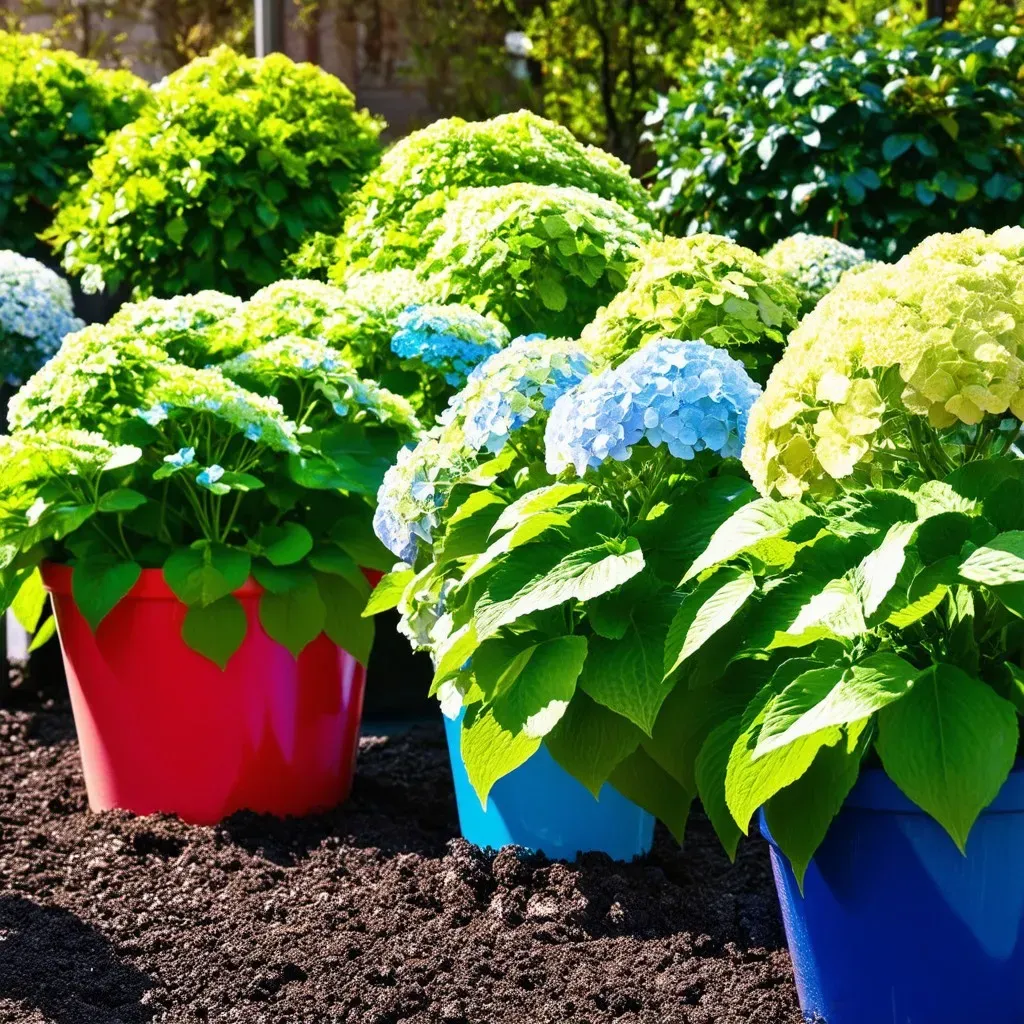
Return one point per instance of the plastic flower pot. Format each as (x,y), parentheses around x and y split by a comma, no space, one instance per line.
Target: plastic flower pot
(541,807)
(896,925)
(161,728)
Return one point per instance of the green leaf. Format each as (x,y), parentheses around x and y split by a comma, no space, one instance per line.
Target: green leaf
(296,618)
(949,745)
(540,500)
(206,572)
(750,782)
(28,604)
(590,741)
(98,584)
(998,562)
(498,737)
(876,575)
(527,584)
(642,780)
(344,623)
(286,544)
(216,630)
(388,593)
(895,146)
(551,293)
(469,527)
(122,500)
(710,770)
(279,579)
(627,675)
(46,632)
(759,521)
(799,816)
(336,562)
(835,611)
(704,612)
(834,696)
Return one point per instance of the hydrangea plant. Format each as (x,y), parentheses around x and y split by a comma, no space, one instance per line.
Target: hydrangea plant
(420,173)
(868,605)
(56,108)
(237,161)
(543,580)
(813,264)
(36,312)
(531,254)
(124,458)
(704,287)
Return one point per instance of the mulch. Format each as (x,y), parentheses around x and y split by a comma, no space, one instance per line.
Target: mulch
(373,914)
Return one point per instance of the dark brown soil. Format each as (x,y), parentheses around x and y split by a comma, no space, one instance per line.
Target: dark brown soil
(374,914)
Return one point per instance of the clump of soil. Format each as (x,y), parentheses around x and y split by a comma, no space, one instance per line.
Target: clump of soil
(373,914)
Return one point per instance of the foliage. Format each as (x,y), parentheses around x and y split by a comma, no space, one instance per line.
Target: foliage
(882,611)
(702,287)
(879,138)
(238,160)
(531,254)
(36,312)
(264,466)
(541,592)
(813,264)
(55,110)
(417,177)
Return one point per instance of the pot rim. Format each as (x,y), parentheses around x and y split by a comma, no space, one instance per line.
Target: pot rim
(875,791)
(151,585)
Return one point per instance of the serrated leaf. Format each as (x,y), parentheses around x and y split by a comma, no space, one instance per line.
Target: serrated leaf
(949,745)
(468,528)
(388,592)
(540,500)
(876,575)
(998,562)
(217,630)
(640,779)
(704,612)
(498,737)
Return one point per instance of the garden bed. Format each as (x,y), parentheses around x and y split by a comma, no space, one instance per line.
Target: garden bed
(374,913)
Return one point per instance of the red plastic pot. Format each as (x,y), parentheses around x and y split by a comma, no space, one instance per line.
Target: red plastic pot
(161,728)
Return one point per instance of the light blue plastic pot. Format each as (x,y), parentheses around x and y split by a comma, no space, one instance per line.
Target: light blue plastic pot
(896,926)
(542,807)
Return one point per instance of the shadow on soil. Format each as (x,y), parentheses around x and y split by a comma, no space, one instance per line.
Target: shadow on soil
(54,963)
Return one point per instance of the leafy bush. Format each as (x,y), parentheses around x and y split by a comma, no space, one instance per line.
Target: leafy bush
(36,312)
(813,264)
(704,287)
(878,138)
(237,162)
(878,609)
(266,465)
(531,255)
(55,110)
(417,177)
(543,523)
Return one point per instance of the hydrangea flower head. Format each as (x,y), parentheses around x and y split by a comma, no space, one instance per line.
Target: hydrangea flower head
(943,326)
(36,312)
(686,395)
(452,339)
(509,389)
(412,492)
(813,264)
(184,327)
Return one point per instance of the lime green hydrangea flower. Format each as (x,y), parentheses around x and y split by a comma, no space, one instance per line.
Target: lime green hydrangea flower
(813,264)
(883,378)
(705,287)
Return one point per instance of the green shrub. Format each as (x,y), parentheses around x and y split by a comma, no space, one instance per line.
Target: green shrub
(878,138)
(421,173)
(535,257)
(701,288)
(55,110)
(236,163)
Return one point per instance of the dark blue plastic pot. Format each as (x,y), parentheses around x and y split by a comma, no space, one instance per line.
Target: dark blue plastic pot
(896,926)
(542,807)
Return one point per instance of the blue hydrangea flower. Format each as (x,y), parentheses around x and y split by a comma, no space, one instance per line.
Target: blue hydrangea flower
(36,313)
(155,414)
(510,388)
(452,339)
(182,458)
(686,395)
(209,476)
